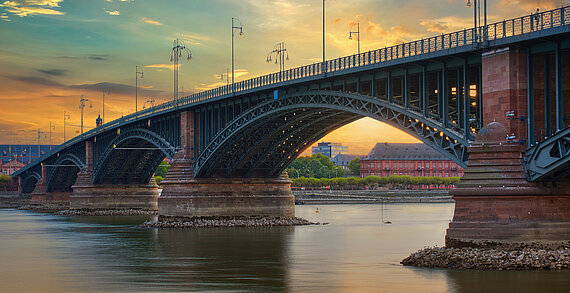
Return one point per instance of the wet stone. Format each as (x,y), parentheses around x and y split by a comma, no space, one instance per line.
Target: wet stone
(525,258)
(209,222)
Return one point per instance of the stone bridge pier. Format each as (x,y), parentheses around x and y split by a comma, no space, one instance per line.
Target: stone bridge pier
(184,196)
(494,202)
(89,196)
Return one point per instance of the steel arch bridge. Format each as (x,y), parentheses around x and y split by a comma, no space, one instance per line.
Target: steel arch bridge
(430,88)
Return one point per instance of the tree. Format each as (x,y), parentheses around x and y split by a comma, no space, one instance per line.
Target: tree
(5,180)
(162,169)
(354,167)
(158,179)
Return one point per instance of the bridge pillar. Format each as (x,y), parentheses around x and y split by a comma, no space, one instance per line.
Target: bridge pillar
(494,204)
(184,196)
(504,87)
(89,196)
(41,197)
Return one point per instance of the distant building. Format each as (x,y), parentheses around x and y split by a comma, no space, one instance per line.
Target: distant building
(14,157)
(343,160)
(415,159)
(329,149)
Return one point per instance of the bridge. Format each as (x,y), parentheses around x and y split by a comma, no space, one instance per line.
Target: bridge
(489,98)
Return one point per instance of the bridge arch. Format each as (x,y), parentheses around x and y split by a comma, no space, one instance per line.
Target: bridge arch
(29,182)
(64,173)
(132,157)
(265,139)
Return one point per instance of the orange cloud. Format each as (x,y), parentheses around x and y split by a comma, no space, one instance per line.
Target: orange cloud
(32,7)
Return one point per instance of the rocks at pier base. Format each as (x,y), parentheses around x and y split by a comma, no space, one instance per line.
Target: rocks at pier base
(211,222)
(45,207)
(528,258)
(124,212)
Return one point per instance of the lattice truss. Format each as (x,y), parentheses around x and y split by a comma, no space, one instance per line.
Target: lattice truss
(265,139)
(550,159)
(132,157)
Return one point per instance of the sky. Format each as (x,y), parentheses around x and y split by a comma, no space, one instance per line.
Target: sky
(53,52)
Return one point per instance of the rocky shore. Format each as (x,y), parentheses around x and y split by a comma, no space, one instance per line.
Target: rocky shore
(200,222)
(490,259)
(125,212)
(45,208)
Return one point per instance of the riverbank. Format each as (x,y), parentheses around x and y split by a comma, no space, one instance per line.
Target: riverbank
(211,222)
(123,212)
(11,202)
(528,258)
(371,196)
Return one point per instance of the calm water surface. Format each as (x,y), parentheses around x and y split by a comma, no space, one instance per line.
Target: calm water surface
(355,252)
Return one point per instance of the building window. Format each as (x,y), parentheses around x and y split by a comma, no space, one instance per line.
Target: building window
(395,165)
(401,165)
(446,165)
(440,165)
(407,165)
(412,165)
(427,164)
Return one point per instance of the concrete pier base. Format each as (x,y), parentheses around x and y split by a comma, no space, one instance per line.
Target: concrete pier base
(494,204)
(183,196)
(113,197)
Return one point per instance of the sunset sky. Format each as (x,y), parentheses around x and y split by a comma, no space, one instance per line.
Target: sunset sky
(54,51)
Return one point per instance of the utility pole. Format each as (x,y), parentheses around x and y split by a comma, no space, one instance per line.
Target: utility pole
(137,72)
(234,27)
(50,128)
(65,116)
(177,50)
(39,150)
(324,59)
(81,106)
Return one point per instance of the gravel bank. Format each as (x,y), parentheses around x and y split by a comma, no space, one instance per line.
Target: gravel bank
(226,222)
(490,259)
(45,208)
(126,212)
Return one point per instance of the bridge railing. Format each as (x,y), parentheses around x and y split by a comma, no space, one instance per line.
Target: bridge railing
(474,36)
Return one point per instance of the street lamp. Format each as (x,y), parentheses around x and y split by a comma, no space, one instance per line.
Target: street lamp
(281,55)
(108,92)
(65,117)
(50,128)
(150,101)
(227,77)
(357,32)
(177,50)
(137,72)
(324,60)
(234,28)
(81,106)
(475,18)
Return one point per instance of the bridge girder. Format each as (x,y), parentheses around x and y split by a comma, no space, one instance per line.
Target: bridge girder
(245,141)
(63,176)
(132,157)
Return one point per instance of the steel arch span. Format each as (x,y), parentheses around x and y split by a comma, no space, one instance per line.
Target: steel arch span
(132,157)
(29,182)
(262,141)
(62,177)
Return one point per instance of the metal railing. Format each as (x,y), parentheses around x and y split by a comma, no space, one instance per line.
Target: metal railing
(473,36)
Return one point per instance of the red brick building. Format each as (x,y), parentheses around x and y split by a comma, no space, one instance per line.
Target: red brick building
(414,159)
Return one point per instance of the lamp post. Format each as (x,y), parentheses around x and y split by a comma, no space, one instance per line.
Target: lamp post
(357,32)
(137,72)
(39,136)
(65,117)
(177,50)
(51,126)
(81,106)
(108,92)
(150,101)
(324,59)
(281,55)
(234,28)
(227,74)
(477,20)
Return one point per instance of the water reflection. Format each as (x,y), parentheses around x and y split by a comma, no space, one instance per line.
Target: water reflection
(354,253)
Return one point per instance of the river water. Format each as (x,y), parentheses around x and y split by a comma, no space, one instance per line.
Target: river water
(354,252)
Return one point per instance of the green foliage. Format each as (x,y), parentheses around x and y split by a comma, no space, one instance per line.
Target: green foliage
(5,180)
(162,169)
(394,181)
(158,179)
(317,166)
(354,167)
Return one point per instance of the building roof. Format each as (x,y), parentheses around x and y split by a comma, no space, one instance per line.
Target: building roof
(342,159)
(404,151)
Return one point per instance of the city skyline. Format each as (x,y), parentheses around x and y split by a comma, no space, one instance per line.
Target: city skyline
(54,51)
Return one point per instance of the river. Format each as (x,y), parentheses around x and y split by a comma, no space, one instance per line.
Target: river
(354,252)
